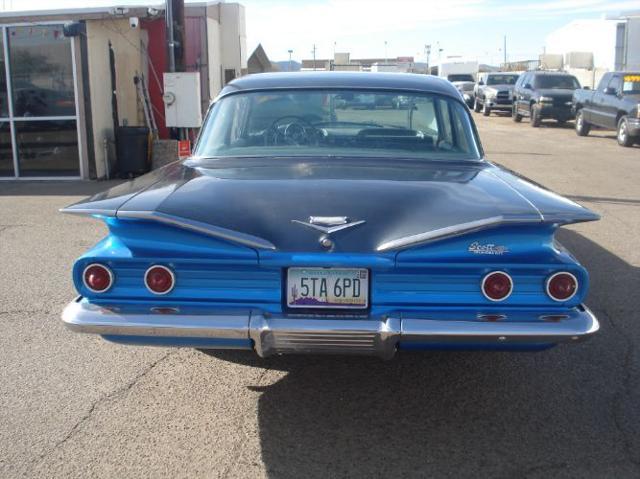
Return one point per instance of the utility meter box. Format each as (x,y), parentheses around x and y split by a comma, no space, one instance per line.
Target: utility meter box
(182,103)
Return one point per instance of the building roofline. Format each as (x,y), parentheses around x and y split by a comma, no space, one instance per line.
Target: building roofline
(132,10)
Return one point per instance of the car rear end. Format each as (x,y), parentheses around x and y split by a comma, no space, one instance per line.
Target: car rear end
(282,236)
(507,288)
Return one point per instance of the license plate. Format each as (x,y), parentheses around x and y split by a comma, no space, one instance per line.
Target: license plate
(336,288)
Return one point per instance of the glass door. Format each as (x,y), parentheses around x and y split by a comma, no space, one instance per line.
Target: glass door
(6,151)
(41,107)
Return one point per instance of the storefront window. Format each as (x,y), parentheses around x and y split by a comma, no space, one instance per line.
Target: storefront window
(47,148)
(6,153)
(41,71)
(4,106)
(38,118)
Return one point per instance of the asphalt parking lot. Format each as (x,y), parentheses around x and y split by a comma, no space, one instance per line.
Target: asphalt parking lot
(74,405)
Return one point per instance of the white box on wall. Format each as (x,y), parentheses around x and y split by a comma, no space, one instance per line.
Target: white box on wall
(182,106)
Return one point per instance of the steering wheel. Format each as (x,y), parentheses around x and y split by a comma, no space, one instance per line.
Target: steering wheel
(290,130)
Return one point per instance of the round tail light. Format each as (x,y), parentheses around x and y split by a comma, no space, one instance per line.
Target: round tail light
(159,279)
(497,286)
(562,286)
(97,278)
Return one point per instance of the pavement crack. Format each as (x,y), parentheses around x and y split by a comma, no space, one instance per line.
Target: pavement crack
(625,391)
(6,227)
(101,400)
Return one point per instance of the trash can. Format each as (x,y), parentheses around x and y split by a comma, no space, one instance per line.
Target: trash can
(132,151)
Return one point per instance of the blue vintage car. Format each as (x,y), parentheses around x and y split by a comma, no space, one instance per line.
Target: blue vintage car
(306,224)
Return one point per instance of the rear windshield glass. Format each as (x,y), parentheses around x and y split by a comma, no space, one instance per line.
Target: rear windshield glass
(502,79)
(631,84)
(336,123)
(559,82)
(460,77)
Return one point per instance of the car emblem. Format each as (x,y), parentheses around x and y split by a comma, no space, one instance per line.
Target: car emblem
(328,224)
(490,248)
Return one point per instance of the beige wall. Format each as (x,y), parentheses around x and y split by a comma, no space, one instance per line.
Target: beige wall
(233,37)
(126,45)
(214,57)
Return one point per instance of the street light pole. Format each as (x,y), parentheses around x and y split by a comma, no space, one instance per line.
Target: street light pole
(427,49)
(385,52)
(505,51)
(290,52)
(314,56)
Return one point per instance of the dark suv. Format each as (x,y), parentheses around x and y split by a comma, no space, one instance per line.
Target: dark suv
(541,95)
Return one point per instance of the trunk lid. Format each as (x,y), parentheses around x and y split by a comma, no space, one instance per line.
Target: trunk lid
(275,199)
(270,201)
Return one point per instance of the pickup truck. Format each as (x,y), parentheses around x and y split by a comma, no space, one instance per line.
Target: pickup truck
(614,105)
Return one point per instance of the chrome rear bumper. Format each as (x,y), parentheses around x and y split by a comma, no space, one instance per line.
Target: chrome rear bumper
(269,335)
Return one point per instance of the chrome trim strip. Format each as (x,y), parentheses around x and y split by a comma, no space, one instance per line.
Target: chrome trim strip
(373,336)
(448,232)
(199,227)
(87,212)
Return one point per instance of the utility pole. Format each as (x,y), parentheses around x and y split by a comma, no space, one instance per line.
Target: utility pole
(427,49)
(174,21)
(174,18)
(290,52)
(504,47)
(171,44)
(314,56)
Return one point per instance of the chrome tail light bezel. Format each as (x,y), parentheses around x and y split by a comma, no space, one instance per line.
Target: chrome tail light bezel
(548,282)
(484,281)
(109,272)
(165,268)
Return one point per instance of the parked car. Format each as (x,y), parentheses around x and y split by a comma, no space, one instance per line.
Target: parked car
(614,105)
(364,233)
(494,92)
(363,101)
(543,95)
(464,82)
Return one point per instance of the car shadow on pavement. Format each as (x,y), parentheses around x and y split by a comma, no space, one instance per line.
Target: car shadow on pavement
(568,125)
(570,410)
(55,188)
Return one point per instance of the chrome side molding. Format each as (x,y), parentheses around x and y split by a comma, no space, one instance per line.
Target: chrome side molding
(449,232)
(88,212)
(178,222)
(199,227)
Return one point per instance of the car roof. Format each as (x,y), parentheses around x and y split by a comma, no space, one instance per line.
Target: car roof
(410,82)
(550,73)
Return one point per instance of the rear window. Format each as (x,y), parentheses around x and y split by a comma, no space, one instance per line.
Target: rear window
(559,82)
(460,77)
(631,84)
(338,123)
(502,79)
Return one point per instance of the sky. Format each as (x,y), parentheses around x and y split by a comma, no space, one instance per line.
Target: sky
(472,29)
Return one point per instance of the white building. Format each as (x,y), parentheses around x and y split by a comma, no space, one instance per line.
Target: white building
(614,41)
